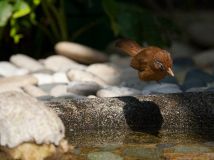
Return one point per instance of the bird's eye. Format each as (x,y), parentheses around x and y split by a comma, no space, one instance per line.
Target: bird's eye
(159,65)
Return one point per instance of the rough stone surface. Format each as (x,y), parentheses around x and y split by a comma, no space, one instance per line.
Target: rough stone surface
(26,62)
(103,156)
(24,119)
(61,63)
(181,111)
(107,72)
(80,52)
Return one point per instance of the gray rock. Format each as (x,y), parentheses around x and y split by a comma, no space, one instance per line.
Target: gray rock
(161,88)
(48,86)
(109,73)
(59,90)
(7,69)
(83,88)
(197,78)
(80,75)
(196,89)
(205,58)
(80,53)
(59,63)
(34,91)
(190,149)
(24,119)
(103,156)
(26,62)
(114,91)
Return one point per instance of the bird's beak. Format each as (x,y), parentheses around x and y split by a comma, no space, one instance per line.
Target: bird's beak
(170,72)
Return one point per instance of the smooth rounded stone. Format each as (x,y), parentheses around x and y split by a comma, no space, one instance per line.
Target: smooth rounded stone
(183,62)
(103,156)
(202,32)
(7,69)
(59,63)
(80,75)
(80,53)
(60,77)
(17,81)
(24,119)
(149,152)
(45,98)
(107,72)
(114,91)
(59,90)
(197,78)
(168,79)
(83,88)
(47,87)
(161,88)
(34,91)
(43,78)
(205,58)
(179,49)
(26,62)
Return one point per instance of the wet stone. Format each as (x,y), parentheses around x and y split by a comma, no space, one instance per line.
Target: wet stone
(149,152)
(103,156)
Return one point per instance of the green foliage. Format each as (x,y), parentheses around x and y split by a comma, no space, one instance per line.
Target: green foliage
(16,12)
(42,23)
(131,21)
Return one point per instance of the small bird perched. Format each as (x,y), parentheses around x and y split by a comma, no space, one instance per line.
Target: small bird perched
(152,63)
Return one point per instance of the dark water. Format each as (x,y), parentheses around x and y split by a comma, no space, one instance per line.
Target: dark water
(129,145)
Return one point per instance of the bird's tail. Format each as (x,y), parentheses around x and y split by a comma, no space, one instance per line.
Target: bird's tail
(129,46)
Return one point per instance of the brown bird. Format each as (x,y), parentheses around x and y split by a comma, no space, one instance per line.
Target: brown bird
(152,63)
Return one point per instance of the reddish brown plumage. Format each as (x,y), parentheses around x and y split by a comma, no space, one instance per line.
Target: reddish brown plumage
(152,63)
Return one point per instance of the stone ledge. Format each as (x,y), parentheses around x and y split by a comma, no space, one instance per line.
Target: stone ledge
(182,111)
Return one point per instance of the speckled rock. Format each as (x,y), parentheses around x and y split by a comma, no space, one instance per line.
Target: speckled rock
(80,75)
(107,72)
(114,91)
(161,88)
(192,112)
(61,63)
(83,88)
(7,69)
(24,119)
(26,62)
(80,52)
